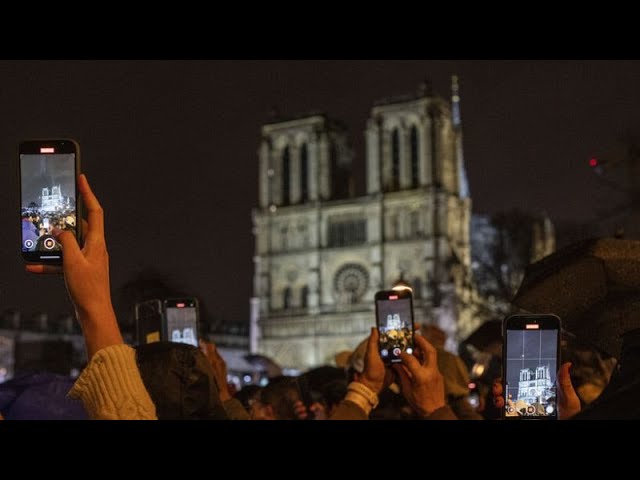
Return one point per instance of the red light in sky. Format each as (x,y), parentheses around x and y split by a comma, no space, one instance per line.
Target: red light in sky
(593,162)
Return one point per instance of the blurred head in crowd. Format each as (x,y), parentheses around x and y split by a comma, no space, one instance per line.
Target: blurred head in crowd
(277,400)
(249,397)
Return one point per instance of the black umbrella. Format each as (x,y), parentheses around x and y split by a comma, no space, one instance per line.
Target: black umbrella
(593,285)
(485,335)
(265,363)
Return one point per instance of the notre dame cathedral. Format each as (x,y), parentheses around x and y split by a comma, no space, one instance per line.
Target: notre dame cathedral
(321,253)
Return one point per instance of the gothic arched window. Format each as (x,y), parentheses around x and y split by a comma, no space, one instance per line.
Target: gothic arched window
(286,298)
(286,176)
(304,173)
(415,157)
(304,293)
(395,159)
(417,288)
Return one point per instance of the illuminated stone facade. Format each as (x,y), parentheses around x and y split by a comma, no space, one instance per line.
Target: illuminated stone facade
(535,386)
(321,254)
(52,200)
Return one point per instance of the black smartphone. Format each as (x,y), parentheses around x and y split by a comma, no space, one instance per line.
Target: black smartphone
(148,316)
(394,318)
(531,361)
(181,320)
(48,197)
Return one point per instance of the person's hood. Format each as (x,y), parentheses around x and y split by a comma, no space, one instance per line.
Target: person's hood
(180,381)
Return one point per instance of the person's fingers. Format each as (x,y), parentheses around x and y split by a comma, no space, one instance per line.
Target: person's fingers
(411,363)
(564,378)
(215,353)
(372,343)
(497,388)
(70,248)
(388,378)
(85,227)
(498,401)
(47,269)
(300,410)
(95,214)
(403,377)
(430,353)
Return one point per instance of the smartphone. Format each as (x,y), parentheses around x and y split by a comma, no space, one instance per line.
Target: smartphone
(148,316)
(531,361)
(394,318)
(181,320)
(48,197)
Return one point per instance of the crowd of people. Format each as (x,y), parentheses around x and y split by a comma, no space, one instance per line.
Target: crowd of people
(38,226)
(177,381)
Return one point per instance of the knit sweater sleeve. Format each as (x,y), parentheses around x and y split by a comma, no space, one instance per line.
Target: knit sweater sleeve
(111,387)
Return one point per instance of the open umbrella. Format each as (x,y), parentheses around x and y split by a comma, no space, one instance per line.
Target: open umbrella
(593,285)
(490,332)
(265,363)
(40,396)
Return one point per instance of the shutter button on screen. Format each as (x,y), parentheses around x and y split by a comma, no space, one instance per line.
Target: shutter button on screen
(49,243)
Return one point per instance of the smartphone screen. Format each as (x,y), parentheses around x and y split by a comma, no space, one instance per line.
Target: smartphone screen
(394,316)
(531,363)
(48,197)
(181,316)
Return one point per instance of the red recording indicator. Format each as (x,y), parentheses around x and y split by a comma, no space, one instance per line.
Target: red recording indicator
(533,326)
(393,297)
(47,150)
(180,305)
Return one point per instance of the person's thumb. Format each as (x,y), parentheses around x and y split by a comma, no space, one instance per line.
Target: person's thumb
(564,378)
(372,343)
(568,400)
(70,247)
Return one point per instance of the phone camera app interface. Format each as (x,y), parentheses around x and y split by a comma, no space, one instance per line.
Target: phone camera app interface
(531,373)
(181,324)
(395,326)
(48,200)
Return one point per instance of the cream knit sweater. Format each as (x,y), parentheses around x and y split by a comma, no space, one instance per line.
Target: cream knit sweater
(111,387)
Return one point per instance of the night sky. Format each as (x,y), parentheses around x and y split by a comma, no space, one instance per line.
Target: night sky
(170,148)
(530,349)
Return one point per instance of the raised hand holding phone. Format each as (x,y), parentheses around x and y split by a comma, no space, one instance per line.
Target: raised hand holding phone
(86,275)
(421,382)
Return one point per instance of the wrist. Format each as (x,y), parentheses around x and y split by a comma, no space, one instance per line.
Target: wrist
(373,386)
(100,330)
(96,314)
(361,395)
